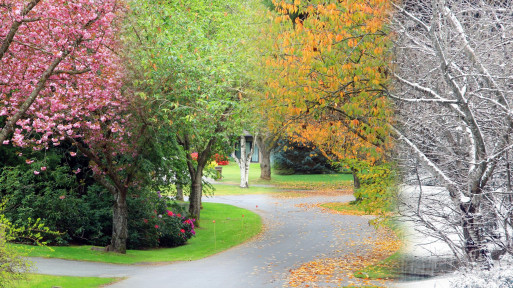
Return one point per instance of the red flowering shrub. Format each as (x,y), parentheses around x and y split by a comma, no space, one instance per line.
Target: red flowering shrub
(175,230)
(221,160)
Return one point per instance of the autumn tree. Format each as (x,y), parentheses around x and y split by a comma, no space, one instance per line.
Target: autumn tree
(453,94)
(327,77)
(191,59)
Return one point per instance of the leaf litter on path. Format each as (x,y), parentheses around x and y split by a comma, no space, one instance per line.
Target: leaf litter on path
(339,270)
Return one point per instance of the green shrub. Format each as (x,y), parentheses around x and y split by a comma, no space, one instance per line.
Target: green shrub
(51,195)
(295,158)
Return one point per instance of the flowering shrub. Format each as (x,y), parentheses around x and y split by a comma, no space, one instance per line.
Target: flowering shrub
(174,229)
(221,160)
(151,224)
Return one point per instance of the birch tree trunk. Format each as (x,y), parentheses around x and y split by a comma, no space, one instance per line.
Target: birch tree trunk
(243,162)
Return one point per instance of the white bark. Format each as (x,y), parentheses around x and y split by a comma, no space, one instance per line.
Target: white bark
(244,162)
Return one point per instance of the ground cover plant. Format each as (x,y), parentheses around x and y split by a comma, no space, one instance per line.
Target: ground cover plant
(233,226)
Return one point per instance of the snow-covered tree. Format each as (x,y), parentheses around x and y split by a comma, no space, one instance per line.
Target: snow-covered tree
(454,94)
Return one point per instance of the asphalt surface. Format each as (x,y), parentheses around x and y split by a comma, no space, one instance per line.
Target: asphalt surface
(294,233)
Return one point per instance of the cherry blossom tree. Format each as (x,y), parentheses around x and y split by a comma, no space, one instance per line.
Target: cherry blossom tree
(61,79)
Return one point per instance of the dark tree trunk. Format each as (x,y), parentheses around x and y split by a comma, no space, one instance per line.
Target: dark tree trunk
(356,180)
(265,158)
(119,223)
(195,199)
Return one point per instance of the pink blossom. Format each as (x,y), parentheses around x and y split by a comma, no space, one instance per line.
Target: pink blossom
(28,161)
(157,226)
(5,142)
(62,197)
(36,172)
(73,154)
(170,213)
(182,230)
(43,168)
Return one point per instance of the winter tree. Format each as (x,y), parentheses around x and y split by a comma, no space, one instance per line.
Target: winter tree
(453,91)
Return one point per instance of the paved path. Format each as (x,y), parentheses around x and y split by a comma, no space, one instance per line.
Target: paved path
(292,235)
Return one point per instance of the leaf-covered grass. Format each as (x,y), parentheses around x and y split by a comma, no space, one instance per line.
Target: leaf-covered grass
(346,208)
(231,175)
(231,229)
(386,269)
(40,281)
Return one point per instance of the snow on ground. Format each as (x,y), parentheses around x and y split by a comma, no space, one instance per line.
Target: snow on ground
(436,282)
(419,243)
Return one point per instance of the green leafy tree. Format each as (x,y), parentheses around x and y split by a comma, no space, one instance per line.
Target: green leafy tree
(189,59)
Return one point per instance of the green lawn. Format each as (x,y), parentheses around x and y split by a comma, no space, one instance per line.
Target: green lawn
(231,229)
(231,175)
(48,281)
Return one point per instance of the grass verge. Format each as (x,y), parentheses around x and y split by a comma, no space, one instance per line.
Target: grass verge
(40,281)
(385,269)
(231,229)
(231,175)
(222,190)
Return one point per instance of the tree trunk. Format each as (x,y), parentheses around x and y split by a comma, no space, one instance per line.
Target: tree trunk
(179,192)
(195,200)
(473,226)
(265,158)
(119,223)
(244,162)
(356,180)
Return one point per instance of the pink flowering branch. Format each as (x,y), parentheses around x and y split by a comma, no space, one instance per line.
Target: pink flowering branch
(16,25)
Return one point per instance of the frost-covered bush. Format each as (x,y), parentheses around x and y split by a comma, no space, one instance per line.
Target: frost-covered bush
(499,276)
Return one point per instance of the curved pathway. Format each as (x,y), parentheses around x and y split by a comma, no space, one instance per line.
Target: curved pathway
(294,233)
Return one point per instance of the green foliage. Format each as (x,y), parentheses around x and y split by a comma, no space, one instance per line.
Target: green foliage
(378,186)
(296,158)
(52,195)
(13,264)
